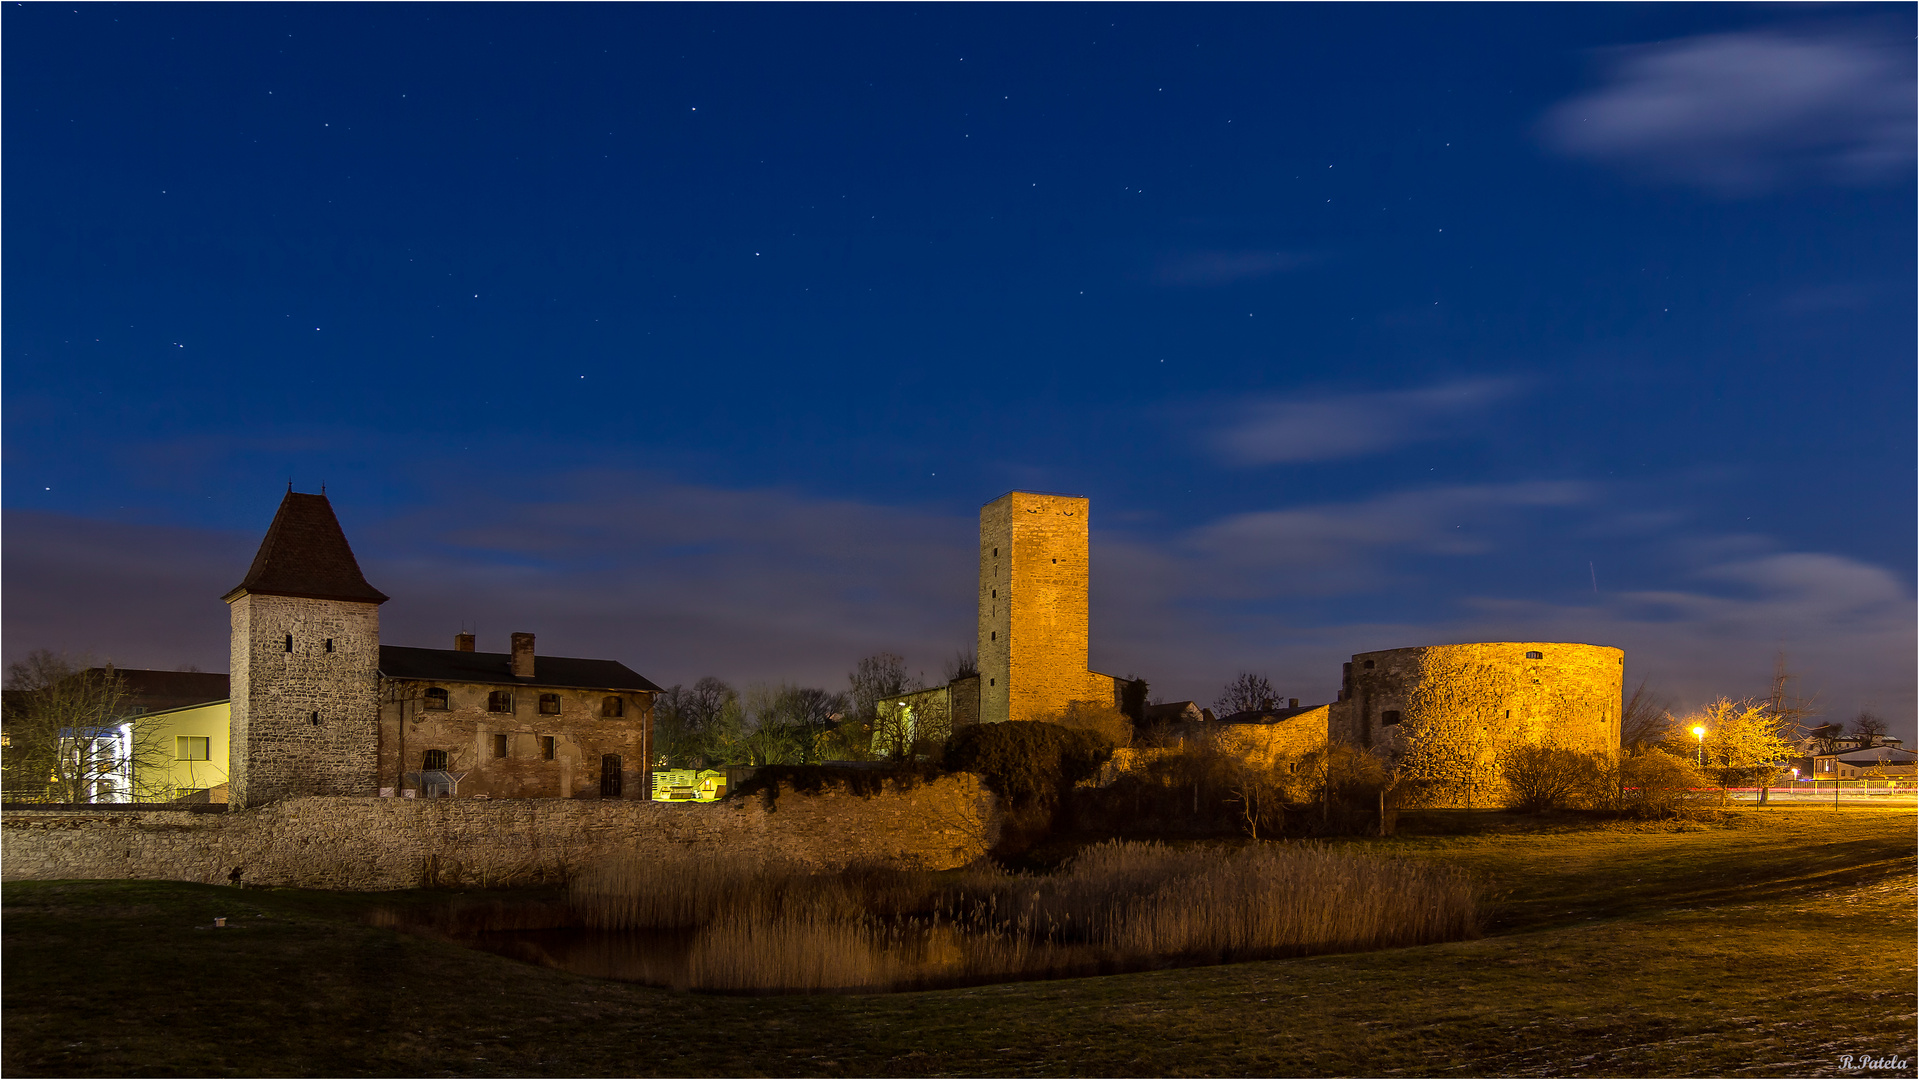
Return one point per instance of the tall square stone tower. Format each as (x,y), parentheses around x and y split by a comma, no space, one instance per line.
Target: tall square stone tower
(1033,572)
(305,678)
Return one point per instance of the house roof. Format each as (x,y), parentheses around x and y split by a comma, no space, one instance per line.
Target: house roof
(1267,716)
(1875,755)
(452,665)
(159,691)
(306,554)
(1170,710)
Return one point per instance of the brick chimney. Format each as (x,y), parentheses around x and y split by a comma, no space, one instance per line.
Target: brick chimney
(523,656)
(463,643)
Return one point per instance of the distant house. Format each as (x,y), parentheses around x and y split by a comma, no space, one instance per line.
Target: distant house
(1868,762)
(1174,712)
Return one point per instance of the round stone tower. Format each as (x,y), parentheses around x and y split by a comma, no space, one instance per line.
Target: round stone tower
(1543,692)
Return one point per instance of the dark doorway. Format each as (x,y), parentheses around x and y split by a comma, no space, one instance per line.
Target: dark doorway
(609,776)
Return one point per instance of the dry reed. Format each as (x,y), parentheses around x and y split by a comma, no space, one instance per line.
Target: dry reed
(761,926)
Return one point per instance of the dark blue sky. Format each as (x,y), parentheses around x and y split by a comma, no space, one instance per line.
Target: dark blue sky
(695,336)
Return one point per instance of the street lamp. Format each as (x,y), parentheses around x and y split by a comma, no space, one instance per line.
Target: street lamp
(1700,734)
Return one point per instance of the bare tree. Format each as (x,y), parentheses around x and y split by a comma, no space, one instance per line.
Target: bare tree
(1644,720)
(963,664)
(1869,726)
(874,679)
(1245,693)
(689,724)
(69,738)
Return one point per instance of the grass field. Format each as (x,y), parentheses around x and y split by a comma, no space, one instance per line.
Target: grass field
(1768,947)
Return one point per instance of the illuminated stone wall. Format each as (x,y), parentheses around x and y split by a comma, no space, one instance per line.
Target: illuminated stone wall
(375,844)
(305,715)
(469,734)
(1033,608)
(1569,695)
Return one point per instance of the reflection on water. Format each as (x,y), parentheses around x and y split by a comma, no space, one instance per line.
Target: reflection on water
(725,921)
(908,956)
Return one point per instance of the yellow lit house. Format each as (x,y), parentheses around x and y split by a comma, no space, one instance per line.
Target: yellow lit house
(188,755)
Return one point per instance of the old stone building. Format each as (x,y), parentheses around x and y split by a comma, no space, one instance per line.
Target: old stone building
(1034,585)
(512,725)
(305,651)
(1544,692)
(320,707)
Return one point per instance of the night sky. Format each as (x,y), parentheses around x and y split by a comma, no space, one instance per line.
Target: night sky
(695,337)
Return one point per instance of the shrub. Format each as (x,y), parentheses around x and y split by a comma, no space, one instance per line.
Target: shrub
(864,781)
(1542,778)
(1103,720)
(1653,783)
(1026,761)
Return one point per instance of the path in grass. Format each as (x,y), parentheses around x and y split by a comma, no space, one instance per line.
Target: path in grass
(1615,954)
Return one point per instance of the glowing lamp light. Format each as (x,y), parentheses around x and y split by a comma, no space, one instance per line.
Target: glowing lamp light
(1699,731)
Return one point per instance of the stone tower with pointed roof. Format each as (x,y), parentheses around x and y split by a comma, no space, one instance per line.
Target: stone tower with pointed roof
(306,658)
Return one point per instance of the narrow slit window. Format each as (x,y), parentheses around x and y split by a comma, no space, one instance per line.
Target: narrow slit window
(499,746)
(314,718)
(546,748)
(289,642)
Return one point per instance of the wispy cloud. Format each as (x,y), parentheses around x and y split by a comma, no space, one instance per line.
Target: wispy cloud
(1202,268)
(681,580)
(1742,112)
(1326,428)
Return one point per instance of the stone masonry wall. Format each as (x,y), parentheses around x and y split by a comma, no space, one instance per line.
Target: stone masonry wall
(1569,696)
(468,733)
(305,719)
(368,844)
(1033,605)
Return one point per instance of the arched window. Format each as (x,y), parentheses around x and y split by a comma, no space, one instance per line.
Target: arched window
(499,701)
(436,699)
(612,705)
(433,759)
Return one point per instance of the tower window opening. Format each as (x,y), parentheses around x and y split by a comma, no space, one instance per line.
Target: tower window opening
(993,636)
(289,642)
(1535,656)
(1368,665)
(314,718)
(329,644)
